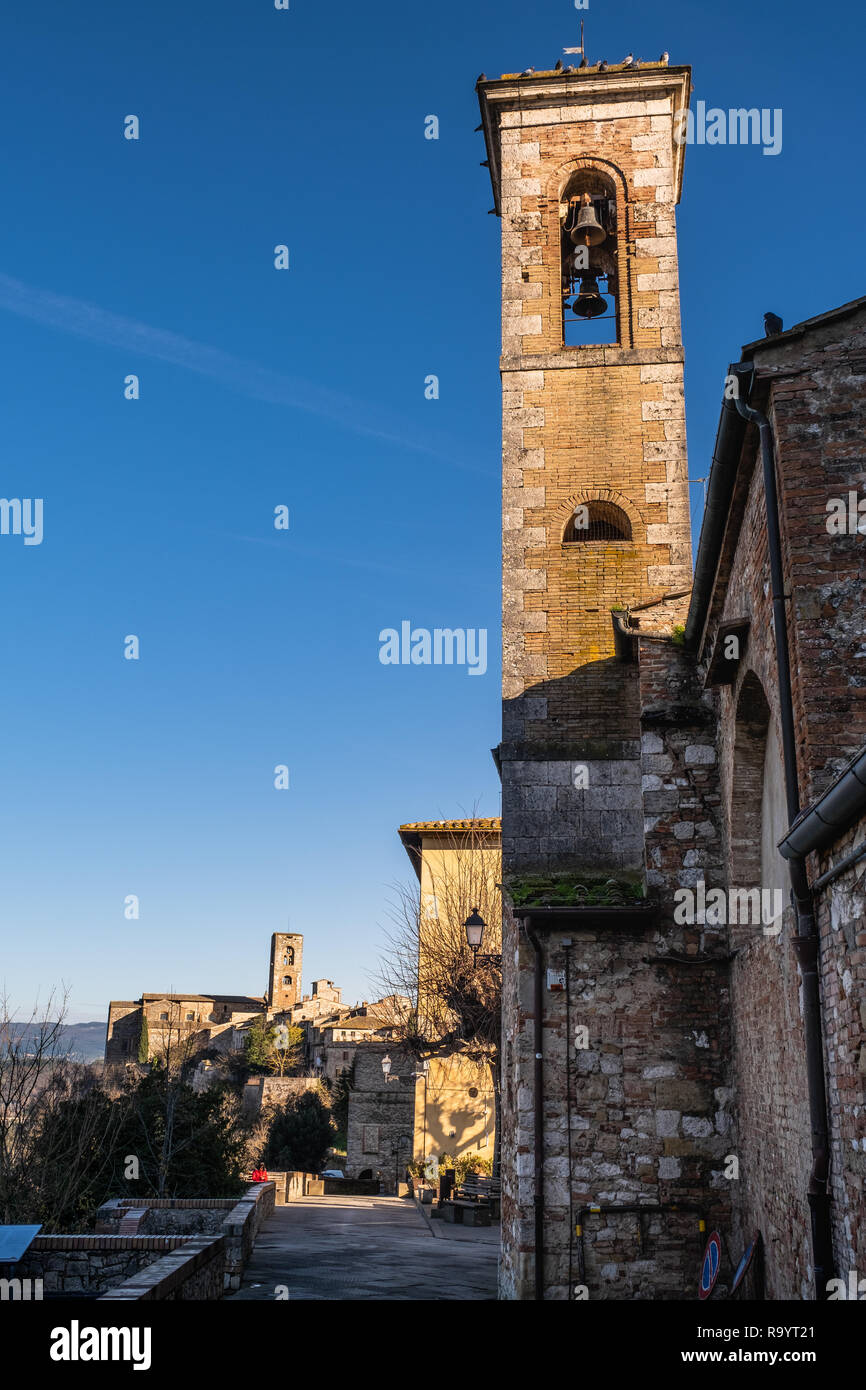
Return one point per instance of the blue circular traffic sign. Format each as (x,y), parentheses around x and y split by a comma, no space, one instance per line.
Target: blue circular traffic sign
(712,1263)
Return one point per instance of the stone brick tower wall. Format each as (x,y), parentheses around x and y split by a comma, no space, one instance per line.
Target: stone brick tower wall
(584,425)
(636,1113)
(287,959)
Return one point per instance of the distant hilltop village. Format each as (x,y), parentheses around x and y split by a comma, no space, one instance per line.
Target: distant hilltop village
(401,1106)
(218,1023)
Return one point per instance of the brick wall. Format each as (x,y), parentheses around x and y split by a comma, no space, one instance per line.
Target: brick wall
(817,413)
(812,387)
(603,423)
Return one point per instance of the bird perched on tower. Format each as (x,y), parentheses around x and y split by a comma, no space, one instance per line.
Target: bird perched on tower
(558,65)
(772,325)
(665,58)
(584,62)
(602,67)
(629,58)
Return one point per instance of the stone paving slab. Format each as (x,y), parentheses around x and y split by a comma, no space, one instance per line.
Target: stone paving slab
(336,1248)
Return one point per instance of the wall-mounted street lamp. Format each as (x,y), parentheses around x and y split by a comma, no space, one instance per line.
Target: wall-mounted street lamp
(422,1070)
(474,925)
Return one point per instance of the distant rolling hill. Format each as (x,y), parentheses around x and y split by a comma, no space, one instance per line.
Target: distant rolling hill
(86,1041)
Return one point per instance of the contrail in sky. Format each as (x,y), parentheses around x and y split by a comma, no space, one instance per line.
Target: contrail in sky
(85,320)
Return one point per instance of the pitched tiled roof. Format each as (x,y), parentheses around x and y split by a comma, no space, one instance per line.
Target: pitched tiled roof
(431,826)
(411,833)
(242,999)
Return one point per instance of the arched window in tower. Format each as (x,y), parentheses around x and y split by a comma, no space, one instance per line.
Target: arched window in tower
(590,290)
(597,521)
(287,979)
(289,957)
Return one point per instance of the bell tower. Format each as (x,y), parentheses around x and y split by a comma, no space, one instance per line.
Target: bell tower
(599,1058)
(287,958)
(587,168)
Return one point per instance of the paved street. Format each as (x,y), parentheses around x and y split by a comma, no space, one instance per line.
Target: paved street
(365,1248)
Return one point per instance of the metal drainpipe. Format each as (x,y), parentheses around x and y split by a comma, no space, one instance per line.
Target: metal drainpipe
(538,1036)
(806,943)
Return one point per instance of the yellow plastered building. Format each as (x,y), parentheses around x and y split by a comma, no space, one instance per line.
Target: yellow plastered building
(458,863)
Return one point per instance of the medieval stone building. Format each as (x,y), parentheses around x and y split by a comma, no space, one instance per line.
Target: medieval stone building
(779,584)
(216,1022)
(667,1060)
(197,1022)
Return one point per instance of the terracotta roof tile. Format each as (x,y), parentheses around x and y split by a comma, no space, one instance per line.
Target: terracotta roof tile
(492,823)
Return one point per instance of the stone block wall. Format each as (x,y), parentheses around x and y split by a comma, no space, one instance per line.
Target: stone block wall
(275,1090)
(88,1265)
(551,825)
(640,1111)
(165,1221)
(679,775)
(381,1115)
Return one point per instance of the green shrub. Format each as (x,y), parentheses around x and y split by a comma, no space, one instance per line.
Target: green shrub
(472,1163)
(300,1135)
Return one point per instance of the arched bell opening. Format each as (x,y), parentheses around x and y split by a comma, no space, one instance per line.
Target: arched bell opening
(588,249)
(597,521)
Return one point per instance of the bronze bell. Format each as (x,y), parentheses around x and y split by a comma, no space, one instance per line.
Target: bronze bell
(589,303)
(588,231)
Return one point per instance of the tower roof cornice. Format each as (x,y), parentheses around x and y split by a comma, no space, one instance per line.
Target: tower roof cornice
(540,90)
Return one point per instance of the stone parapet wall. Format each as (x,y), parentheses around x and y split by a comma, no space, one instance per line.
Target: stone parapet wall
(241,1227)
(194,1271)
(88,1265)
(298,1184)
(237,1221)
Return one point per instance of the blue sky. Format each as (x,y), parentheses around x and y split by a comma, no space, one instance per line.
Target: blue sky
(303,388)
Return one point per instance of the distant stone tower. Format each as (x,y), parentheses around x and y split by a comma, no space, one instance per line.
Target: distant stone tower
(287,958)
